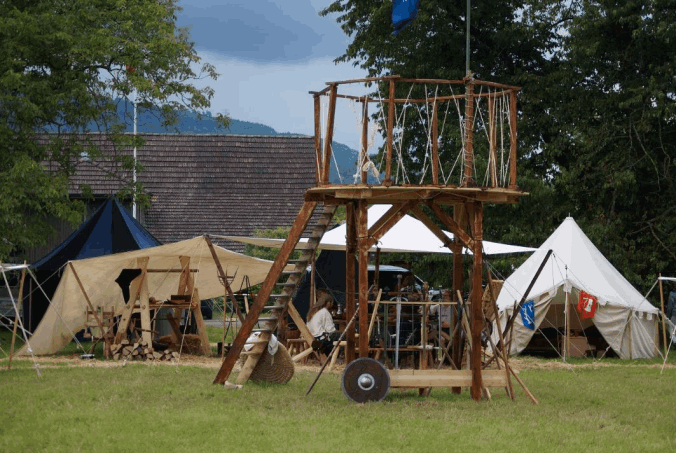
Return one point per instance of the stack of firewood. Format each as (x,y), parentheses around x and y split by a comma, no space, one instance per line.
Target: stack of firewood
(141,350)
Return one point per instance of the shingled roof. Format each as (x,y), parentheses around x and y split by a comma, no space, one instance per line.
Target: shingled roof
(213,184)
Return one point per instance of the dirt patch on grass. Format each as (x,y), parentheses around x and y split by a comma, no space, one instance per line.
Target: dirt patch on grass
(518,363)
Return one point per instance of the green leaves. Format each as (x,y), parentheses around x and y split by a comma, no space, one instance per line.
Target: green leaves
(597,111)
(63,65)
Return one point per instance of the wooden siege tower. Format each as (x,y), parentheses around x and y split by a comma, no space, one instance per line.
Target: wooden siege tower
(477,166)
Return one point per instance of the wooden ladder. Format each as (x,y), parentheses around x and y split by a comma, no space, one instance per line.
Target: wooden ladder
(269,308)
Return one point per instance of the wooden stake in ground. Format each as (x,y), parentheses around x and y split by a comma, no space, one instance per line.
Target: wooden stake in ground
(494,306)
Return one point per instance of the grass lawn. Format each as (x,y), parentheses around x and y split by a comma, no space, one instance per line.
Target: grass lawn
(101,406)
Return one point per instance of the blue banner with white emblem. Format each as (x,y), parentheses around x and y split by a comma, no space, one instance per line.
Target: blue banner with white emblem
(528,314)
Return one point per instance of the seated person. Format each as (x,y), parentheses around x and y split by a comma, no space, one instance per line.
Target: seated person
(321,325)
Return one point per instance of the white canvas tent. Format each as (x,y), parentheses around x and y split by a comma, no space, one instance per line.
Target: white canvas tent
(409,235)
(627,321)
(67,312)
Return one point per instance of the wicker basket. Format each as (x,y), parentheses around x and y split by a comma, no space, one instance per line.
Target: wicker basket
(277,369)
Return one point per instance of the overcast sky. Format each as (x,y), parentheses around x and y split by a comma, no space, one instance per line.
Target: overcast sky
(270,53)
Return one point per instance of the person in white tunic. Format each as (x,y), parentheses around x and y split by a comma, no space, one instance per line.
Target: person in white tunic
(321,325)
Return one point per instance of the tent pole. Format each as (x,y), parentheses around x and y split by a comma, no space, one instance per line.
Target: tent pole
(16,316)
(106,340)
(566,341)
(664,322)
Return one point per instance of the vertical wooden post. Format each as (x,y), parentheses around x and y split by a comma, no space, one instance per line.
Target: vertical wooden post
(328,139)
(106,340)
(199,323)
(350,305)
(435,142)
(664,316)
(459,217)
(390,127)
(318,140)
(477,312)
(144,302)
(492,136)
(313,282)
(363,235)
(364,141)
(468,179)
(512,140)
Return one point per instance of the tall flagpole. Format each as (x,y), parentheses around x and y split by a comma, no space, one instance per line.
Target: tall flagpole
(467,43)
(133,211)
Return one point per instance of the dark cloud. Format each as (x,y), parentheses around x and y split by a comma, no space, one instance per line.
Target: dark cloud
(261,30)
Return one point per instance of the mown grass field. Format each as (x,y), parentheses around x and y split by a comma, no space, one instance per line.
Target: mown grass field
(101,406)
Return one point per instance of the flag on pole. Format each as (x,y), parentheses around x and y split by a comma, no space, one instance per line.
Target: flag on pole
(587,305)
(403,13)
(528,314)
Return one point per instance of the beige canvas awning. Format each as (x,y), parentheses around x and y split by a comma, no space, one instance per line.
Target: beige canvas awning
(67,312)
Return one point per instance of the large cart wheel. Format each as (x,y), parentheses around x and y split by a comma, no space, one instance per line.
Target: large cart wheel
(365,380)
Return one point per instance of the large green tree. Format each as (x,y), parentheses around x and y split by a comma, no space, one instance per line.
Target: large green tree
(596,114)
(613,133)
(63,65)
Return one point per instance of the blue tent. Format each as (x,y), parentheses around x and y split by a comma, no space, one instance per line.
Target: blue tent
(110,229)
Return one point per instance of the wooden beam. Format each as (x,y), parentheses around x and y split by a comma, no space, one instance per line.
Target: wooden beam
(362,239)
(476,217)
(496,314)
(350,280)
(459,218)
(435,142)
(201,325)
(492,139)
(328,139)
(318,141)
(106,340)
(452,225)
(664,316)
(390,127)
(223,278)
(364,79)
(300,323)
(287,248)
(364,142)
(443,378)
(144,302)
(512,140)
(468,175)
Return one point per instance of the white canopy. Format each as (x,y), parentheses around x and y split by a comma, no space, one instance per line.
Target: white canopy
(66,314)
(409,235)
(627,321)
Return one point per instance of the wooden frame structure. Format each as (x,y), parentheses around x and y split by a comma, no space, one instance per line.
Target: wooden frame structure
(466,221)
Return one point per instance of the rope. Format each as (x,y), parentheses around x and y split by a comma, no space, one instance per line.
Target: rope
(23,331)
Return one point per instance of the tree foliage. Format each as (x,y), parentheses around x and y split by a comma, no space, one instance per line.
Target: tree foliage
(63,65)
(596,113)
